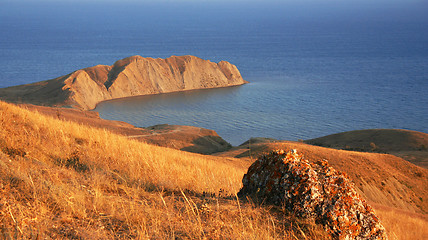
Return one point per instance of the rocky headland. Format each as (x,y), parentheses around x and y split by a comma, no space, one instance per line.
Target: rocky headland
(132,76)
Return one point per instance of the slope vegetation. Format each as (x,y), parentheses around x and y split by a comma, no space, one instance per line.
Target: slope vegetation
(395,188)
(61,179)
(128,77)
(186,138)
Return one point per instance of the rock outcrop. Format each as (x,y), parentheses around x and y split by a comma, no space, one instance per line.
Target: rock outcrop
(128,77)
(312,190)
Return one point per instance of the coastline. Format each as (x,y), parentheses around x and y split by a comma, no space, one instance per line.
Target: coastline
(161,93)
(131,76)
(206,141)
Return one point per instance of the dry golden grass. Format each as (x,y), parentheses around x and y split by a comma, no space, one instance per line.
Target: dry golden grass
(395,188)
(60,179)
(49,140)
(402,224)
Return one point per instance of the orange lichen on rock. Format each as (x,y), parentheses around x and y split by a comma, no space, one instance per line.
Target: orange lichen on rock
(314,190)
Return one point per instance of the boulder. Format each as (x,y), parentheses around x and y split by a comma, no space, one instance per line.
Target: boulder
(312,190)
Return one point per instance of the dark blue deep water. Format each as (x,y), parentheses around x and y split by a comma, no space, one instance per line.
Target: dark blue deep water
(315,68)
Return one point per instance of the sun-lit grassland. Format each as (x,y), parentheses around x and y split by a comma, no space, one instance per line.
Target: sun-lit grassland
(60,179)
(403,225)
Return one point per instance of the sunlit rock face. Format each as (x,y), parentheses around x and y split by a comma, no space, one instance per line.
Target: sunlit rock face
(313,190)
(132,76)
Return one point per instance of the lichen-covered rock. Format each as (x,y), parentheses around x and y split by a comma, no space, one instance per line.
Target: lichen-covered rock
(312,190)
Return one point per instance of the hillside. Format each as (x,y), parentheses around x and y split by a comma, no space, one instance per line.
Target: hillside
(393,186)
(64,180)
(131,76)
(410,145)
(186,138)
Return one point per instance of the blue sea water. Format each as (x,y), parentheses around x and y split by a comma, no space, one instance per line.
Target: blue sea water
(315,68)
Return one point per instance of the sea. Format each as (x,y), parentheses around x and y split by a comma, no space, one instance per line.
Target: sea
(315,67)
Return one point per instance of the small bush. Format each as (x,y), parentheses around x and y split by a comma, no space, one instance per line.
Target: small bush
(12,152)
(73,162)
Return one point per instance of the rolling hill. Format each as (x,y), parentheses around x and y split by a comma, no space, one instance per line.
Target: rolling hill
(64,178)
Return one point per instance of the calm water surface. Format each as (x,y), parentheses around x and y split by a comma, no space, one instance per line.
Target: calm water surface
(313,69)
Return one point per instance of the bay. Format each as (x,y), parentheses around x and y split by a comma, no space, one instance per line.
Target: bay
(314,69)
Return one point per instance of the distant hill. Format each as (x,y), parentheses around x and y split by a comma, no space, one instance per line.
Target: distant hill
(131,76)
(376,140)
(410,145)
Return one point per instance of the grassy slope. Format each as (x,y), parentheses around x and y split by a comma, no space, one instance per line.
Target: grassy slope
(396,188)
(187,138)
(60,179)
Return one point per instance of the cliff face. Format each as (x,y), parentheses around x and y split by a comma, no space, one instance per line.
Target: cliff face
(131,76)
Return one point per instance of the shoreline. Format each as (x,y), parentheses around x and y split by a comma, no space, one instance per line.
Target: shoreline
(156,94)
(207,141)
(128,77)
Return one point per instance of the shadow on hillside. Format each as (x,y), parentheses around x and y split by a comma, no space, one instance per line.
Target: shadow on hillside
(208,145)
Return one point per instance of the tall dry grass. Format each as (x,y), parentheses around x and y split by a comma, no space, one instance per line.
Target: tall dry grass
(402,224)
(59,179)
(64,180)
(49,140)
